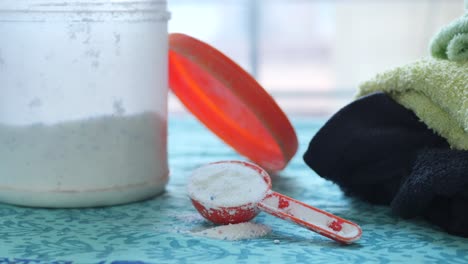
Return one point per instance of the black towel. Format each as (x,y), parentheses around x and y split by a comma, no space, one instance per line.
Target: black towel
(369,146)
(377,150)
(437,188)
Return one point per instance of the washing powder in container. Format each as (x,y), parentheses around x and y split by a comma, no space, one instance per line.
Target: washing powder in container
(83,101)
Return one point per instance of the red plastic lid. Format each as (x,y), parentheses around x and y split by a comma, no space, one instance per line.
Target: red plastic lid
(230,103)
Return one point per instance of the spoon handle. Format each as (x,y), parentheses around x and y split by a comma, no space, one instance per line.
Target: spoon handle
(314,219)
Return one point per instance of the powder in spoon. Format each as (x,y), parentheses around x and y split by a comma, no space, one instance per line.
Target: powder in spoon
(239,231)
(226,185)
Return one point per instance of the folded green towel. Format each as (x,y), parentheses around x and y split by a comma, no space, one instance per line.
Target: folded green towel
(435,90)
(452,41)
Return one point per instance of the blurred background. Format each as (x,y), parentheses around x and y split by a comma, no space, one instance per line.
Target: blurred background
(310,55)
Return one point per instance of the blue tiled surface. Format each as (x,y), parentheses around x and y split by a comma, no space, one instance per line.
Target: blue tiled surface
(158,230)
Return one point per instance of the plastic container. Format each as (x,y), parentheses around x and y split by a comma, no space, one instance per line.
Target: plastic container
(83,101)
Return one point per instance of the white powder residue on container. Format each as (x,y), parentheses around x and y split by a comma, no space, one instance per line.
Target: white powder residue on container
(239,231)
(226,185)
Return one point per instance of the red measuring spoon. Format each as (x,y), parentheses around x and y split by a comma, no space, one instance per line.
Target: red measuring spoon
(281,206)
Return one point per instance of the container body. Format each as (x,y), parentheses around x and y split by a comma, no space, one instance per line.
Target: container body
(83,101)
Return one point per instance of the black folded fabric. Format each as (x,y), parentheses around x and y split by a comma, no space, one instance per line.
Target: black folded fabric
(437,188)
(377,150)
(369,146)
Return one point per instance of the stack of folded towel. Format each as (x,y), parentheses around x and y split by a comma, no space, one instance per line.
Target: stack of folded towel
(452,41)
(404,141)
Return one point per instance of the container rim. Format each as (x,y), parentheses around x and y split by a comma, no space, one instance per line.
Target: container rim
(83,10)
(82,6)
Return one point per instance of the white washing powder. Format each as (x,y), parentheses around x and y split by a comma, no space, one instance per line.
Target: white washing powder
(226,184)
(239,231)
(80,161)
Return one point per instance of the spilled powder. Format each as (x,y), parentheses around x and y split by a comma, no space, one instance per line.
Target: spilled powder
(226,185)
(239,231)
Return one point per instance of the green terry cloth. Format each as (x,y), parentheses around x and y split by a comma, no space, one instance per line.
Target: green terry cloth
(435,90)
(452,41)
